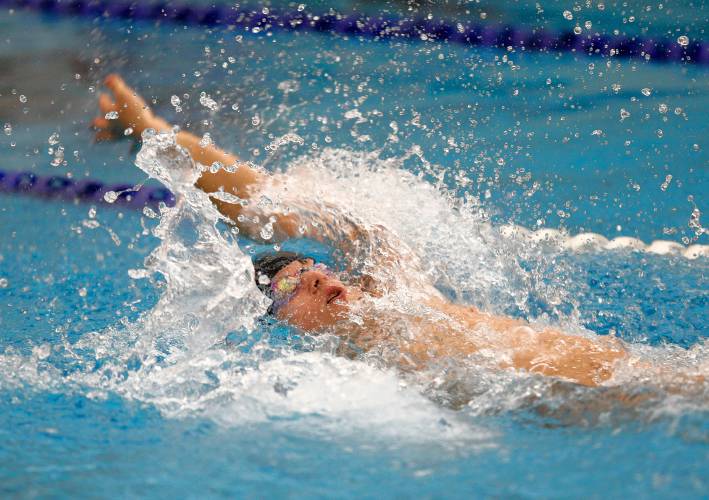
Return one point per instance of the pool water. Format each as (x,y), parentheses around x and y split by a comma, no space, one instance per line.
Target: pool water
(115,385)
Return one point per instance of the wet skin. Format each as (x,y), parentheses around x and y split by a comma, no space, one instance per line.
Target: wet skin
(319,301)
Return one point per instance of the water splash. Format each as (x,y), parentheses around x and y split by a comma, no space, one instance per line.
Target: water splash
(176,358)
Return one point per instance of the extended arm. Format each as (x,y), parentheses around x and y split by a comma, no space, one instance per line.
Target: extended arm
(135,115)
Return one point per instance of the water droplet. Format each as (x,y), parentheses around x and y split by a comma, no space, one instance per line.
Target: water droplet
(58,157)
(666,184)
(660,133)
(53,139)
(500,161)
(255,121)
(568,15)
(128,131)
(588,25)
(483,15)
(175,100)
(92,212)
(23,99)
(110,196)
(662,108)
(577,30)
(267,231)
(7,129)
(4,283)
(235,107)
(149,212)
(206,101)
(263,279)
(111,115)
(623,114)
(82,292)
(683,40)
(205,141)
(646,92)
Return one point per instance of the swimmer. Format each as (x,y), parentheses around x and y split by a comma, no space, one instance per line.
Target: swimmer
(309,296)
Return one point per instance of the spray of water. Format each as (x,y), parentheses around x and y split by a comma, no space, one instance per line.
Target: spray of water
(175,356)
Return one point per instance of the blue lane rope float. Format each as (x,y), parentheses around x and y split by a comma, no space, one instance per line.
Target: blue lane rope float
(127,195)
(655,49)
(91,191)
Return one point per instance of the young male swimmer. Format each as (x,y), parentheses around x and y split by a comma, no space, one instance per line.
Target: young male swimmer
(309,296)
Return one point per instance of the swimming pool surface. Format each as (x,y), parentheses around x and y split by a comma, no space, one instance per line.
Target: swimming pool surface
(541,140)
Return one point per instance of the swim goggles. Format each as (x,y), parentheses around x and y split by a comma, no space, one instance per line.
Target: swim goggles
(285,288)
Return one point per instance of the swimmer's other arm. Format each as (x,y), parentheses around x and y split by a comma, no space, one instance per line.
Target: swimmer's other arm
(133,112)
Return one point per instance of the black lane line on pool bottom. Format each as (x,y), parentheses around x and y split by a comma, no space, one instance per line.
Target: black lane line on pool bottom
(658,49)
(86,190)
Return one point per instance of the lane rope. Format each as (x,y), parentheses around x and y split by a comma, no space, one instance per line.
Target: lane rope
(121,194)
(85,190)
(654,49)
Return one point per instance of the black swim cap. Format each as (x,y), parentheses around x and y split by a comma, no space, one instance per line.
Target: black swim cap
(269,264)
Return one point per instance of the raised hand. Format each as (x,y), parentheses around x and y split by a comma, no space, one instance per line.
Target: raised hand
(123,112)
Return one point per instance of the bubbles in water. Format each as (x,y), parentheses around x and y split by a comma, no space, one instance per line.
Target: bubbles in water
(646,92)
(53,139)
(110,196)
(7,129)
(112,115)
(568,15)
(683,40)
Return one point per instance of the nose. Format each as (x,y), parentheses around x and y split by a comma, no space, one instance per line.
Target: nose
(329,287)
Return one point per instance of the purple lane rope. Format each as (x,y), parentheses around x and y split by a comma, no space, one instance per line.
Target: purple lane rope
(85,190)
(654,49)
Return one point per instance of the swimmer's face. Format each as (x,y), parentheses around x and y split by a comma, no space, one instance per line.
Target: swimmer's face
(320,299)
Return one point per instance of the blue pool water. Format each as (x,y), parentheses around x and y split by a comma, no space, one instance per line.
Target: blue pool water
(536,140)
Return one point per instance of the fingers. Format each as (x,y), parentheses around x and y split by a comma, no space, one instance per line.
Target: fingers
(106,104)
(104,129)
(125,96)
